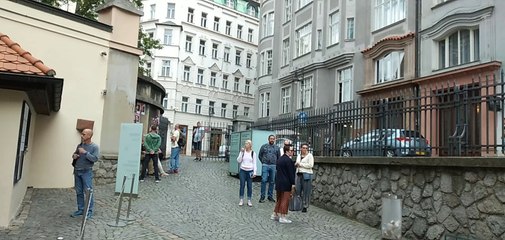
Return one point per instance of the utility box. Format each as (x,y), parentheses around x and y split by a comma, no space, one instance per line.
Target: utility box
(391,217)
(237,140)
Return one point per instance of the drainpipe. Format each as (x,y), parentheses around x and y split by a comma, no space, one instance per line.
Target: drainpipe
(417,64)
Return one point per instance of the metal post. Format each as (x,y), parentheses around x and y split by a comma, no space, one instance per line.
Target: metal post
(128,218)
(117,223)
(89,195)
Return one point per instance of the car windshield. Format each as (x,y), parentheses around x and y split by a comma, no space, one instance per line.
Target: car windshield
(409,133)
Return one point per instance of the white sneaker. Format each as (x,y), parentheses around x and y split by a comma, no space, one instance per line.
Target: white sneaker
(249,203)
(284,220)
(241,202)
(274,217)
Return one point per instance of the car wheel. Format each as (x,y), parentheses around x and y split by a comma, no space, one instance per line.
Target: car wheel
(390,153)
(346,153)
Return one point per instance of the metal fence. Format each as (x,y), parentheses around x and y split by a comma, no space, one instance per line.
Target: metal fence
(216,142)
(449,119)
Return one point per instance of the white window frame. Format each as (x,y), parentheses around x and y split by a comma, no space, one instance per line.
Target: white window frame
(287,10)
(389,67)
(238,57)
(304,40)
(152,12)
(198,106)
(216,24)
(285,99)
(224,84)
(201,48)
(236,84)
(345,81)
(203,20)
(184,104)
(388,12)
(215,47)
(269,62)
(213,77)
(264,104)
(305,87)
(226,54)
(285,52)
(334,28)
(165,68)
(450,52)
(167,36)
(248,60)
(228,28)
(239,31)
(189,44)
(212,108)
(187,74)
(250,35)
(303,3)
(191,13)
(170,10)
(234,111)
(349,28)
(247,87)
(246,111)
(199,76)
(223,109)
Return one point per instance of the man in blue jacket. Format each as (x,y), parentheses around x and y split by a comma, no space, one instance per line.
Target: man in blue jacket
(84,157)
(268,155)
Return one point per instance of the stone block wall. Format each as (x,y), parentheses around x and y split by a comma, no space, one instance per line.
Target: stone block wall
(105,171)
(437,200)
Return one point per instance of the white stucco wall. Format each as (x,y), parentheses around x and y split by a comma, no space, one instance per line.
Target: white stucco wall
(11,196)
(73,51)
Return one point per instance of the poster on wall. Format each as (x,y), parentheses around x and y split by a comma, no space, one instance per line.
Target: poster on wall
(140,108)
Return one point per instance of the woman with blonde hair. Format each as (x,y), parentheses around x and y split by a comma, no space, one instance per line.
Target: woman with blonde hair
(247,160)
(304,164)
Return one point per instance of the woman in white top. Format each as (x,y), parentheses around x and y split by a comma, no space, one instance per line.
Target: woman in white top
(247,160)
(304,164)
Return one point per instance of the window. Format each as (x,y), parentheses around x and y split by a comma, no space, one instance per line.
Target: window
(287,10)
(214,50)
(198,106)
(252,11)
(152,13)
(345,85)
(165,68)
(216,24)
(319,39)
(24,133)
(167,37)
(303,40)
(201,49)
(239,31)
(184,105)
(248,60)
(247,86)
(302,3)
(187,71)
(211,107)
(388,12)
(264,104)
(236,84)
(190,14)
(171,10)
(213,79)
(285,99)
(268,24)
(189,42)
(203,20)
(225,82)
(306,92)
(165,102)
(262,63)
(334,28)
(230,3)
(199,77)
(246,111)
(151,34)
(285,52)
(223,109)
(235,111)
(238,53)
(390,67)
(228,28)
(269,62)
(148,68)
(459,48)
(250,35)
(350,28)
(226,56)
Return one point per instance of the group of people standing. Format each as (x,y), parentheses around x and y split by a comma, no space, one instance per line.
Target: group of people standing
(288,177)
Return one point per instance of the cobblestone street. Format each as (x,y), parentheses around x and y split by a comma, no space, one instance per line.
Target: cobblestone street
(199,203)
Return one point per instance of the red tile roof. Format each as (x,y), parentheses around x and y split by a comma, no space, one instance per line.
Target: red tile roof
(390,38)
(15,59)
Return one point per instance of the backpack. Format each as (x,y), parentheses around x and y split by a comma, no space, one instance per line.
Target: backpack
(182,140)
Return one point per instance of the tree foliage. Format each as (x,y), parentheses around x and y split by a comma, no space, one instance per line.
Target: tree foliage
(86,8)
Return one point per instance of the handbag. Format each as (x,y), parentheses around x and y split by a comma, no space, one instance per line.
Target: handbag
(307,176)
(295,203)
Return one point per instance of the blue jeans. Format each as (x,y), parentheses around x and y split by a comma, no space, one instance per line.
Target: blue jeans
(267,175)
(174,158)
(83,179)
(245,176)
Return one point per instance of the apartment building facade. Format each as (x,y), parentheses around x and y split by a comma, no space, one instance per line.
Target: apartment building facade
(208,60)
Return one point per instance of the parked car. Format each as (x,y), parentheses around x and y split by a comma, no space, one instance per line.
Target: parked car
(296,144)
(224,152)
(389,143)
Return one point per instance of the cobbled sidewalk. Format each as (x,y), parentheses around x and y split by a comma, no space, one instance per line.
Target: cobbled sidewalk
(201,202)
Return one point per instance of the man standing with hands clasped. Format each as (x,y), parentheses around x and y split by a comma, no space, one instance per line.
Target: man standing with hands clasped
(268,155)
(84,156)
(152,144)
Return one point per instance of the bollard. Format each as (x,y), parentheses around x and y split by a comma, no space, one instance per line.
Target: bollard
(391,225)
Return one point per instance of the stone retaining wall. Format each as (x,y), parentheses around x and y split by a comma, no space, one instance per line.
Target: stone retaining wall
(440,197)
(105,171)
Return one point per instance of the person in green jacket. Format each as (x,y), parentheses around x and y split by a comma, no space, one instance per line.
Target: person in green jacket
(152,143)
